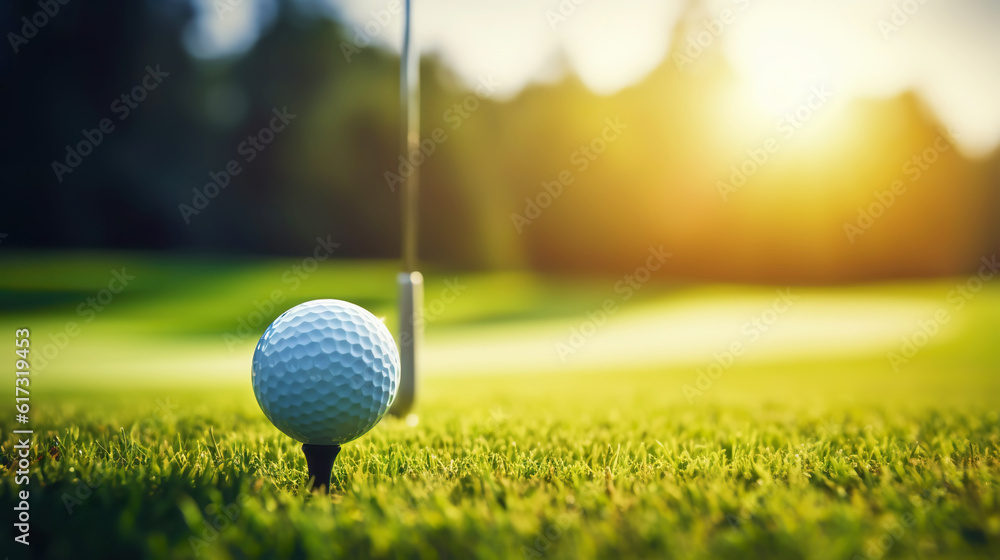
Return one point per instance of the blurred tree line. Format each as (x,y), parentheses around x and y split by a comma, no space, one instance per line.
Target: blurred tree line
(504,184)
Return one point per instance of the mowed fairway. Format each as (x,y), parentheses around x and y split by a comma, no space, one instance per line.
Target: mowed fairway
(159,449)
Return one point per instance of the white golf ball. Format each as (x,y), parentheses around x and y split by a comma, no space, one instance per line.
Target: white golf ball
(325,372)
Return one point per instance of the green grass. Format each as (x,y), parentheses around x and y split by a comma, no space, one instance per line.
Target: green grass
(796,458)
(498,471)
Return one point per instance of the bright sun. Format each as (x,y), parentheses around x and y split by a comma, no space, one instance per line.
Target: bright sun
(787,87)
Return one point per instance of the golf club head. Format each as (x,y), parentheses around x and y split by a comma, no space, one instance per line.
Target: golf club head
(411,330)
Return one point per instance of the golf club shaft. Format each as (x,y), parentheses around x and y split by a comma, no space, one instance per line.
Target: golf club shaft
(411,286)
(409,96)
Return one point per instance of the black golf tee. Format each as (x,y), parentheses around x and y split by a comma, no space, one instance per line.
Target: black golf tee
(319,460)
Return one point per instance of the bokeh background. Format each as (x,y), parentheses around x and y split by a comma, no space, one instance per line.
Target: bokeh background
(692,112)
(704,278)
(846,149)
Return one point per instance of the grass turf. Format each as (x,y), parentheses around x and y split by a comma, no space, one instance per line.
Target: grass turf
(177,474)
(793,460)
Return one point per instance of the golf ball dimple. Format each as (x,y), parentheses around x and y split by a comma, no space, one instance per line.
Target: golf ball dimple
(325,372)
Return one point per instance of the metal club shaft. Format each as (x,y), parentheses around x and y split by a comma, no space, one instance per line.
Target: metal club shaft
(411,287)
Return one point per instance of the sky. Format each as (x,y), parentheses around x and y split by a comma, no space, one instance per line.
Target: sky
(948,52)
